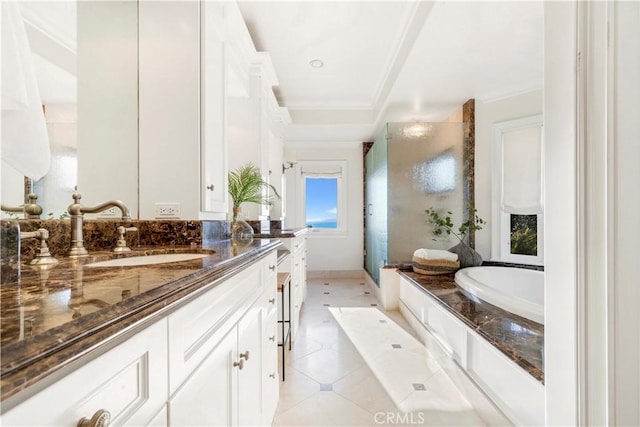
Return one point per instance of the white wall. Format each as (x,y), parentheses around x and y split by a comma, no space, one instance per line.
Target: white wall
(625,234)
(487,114)
(325,253)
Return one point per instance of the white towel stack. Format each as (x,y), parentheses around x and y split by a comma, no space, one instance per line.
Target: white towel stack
(434,261)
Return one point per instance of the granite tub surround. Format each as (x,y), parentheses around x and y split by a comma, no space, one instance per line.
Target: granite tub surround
(522,340)
(51,318)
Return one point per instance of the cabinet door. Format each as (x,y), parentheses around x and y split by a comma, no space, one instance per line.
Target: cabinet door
(208,396)
(128,381)
(213,95)
(250,376)
(270,378)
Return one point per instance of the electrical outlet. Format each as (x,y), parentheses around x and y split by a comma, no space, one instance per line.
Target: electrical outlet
(167,210)
(112,212)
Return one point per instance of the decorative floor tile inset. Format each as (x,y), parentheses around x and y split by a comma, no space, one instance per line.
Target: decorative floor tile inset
(327,387)
(383,321)
(416,387)
(396,346)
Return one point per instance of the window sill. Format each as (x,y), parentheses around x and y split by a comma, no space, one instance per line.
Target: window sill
(325,234)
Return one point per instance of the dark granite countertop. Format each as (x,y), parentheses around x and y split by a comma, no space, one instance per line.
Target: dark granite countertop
(520,339)
(51,318)
(283,233)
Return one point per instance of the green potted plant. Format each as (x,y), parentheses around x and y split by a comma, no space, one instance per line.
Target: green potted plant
(247,186)
(444,225)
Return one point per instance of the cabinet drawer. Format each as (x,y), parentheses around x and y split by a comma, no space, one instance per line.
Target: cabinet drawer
(412,298)
(129,381)
(195,329)
(517,393)
(270,269)
(451,333)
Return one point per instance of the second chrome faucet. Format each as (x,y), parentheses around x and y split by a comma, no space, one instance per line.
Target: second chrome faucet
(76,212)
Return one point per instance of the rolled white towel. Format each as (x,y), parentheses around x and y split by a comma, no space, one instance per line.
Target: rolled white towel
(436,254)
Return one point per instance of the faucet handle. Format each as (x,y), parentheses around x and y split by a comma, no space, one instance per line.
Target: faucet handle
(121,244)
(44,255)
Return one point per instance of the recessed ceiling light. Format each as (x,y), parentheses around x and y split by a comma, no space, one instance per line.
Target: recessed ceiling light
(316,63)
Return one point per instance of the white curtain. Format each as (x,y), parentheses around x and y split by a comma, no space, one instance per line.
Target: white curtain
(522,170)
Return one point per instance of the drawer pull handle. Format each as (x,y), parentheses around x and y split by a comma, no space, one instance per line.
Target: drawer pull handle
(272,375)
(101,418)
(210,187)
(273,338)
(272,267)
(239,364)
(244,355)
(272,300)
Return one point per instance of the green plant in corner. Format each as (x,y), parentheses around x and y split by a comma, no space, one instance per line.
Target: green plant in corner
(444,225)
(247,186)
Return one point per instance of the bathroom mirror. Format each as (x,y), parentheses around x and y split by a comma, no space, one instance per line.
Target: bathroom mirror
(85,59)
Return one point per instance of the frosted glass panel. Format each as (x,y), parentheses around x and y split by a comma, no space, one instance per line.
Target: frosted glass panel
(424,171)
(410,168)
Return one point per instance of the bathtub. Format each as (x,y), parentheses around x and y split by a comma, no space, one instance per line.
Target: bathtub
(517,290)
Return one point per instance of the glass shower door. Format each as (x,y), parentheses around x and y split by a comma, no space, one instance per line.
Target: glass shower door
(376,208)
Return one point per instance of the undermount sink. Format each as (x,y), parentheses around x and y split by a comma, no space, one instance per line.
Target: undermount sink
(146,260)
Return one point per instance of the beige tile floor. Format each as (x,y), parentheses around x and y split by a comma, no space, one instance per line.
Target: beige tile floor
(328,382)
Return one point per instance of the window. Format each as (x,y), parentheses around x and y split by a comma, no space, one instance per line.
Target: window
(517,191)
(322,204)
(523,235)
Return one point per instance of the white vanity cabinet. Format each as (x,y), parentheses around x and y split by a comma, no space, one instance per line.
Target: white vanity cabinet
(128,381)
(296,265)
(220,376)
(212,361)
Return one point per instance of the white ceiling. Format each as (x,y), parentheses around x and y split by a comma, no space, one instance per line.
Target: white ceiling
(384,60)
(393,61)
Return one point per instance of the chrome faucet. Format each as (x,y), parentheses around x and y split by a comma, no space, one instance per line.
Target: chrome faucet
(76,212)
(31,210)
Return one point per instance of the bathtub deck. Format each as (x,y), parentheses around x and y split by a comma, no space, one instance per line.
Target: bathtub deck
(522,340)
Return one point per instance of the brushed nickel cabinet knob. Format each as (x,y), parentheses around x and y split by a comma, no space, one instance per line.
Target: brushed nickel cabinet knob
(101,418)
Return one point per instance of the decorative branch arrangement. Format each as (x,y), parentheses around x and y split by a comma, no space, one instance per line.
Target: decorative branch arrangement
(444,225)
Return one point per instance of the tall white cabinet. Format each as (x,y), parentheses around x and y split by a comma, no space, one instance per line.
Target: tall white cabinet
(206,106)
